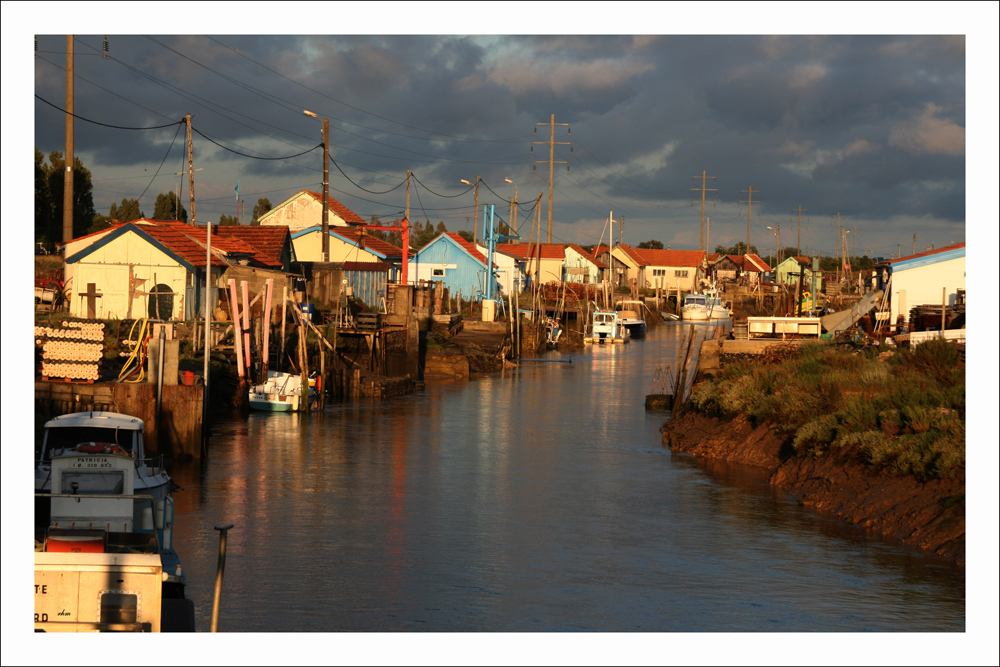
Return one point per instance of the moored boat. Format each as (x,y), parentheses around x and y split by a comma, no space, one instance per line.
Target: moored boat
(94,434)
(695,308)
(606,327)
(282,392)
(104,559)
(630,312)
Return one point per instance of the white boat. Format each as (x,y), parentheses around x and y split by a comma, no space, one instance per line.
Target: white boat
(91,435)
(695,308)
(282,392)
(630,312)
(104,558)
(607,327)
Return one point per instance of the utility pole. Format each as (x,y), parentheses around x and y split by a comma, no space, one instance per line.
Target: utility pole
(406,251)
(799,243)
(68,173)
(187,119)
(703,190)
(326,189)
(855,254)
(475,210)
(838,247)
(914,251)
(708,231)
(749,204)
(552,161)
(621,229)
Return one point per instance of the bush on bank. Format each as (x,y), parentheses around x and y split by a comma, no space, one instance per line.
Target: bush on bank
(900,411)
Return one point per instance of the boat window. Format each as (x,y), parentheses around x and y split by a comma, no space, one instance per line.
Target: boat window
(62,438)
(90,482)
(119,608)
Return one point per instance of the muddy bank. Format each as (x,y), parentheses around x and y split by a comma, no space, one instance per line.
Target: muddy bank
(928,516)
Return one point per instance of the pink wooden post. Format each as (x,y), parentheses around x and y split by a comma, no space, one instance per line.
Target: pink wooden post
(246,324)
(237,336)
(267,321)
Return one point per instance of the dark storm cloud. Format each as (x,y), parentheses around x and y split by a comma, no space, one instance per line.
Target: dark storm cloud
(870,124)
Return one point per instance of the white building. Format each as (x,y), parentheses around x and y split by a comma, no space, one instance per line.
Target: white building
(926,278)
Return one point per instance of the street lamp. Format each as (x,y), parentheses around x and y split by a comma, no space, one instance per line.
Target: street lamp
(475,213)
(513,205)
(326,184)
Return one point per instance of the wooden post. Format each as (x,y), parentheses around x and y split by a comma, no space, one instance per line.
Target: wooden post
(284,316)
(237,334)
(267,327)
(944,302)
(246,326)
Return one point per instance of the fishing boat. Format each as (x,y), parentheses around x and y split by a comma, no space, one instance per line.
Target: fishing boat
(631,312)
(695,308)
(281,392)
(713,300)
(95,434)
(104,558)
(607,327)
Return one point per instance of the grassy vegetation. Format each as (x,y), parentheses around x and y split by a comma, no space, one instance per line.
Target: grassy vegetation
(897,410)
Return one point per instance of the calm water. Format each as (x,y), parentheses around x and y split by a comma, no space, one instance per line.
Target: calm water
(537,501)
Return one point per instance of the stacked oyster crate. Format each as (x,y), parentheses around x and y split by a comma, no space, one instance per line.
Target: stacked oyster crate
(74,351)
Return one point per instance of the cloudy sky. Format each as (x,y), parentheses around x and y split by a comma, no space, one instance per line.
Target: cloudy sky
(870,127)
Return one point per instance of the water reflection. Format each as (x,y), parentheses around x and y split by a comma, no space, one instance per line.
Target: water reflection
(537,501)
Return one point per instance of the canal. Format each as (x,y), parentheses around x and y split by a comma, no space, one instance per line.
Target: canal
(536,500)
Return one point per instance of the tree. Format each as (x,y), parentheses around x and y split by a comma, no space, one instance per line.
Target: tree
(228,220)
(167,206)
(100,222)
(83,196)
(262,206)
(738,249)
(652,245)
(465,235)
(127,211)
(45,230)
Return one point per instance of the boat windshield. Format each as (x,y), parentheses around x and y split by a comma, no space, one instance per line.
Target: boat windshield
(695,301)
(62,438)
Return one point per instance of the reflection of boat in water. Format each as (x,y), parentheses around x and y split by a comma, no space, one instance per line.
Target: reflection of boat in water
(631,314)
(104,557)
(607,327)
(282,392)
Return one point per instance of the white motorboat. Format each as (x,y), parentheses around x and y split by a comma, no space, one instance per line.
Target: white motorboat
(104,559)
(86,437)
(695,308)
(607,327)
(282,392)
(631,312)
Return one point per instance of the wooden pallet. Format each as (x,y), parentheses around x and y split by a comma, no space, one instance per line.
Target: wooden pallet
(45,378)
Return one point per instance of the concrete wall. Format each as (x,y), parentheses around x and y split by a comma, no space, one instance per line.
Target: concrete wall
(178,433)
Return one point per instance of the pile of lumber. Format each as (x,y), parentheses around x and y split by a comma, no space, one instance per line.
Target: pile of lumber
(73,351)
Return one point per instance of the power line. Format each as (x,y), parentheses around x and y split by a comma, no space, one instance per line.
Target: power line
(115,127)
(253,157)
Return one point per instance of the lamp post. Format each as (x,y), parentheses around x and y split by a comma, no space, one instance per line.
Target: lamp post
(775,246)
(475,213)
(326,184)
(513,205)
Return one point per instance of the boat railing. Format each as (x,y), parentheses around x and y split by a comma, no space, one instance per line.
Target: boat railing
(155,463)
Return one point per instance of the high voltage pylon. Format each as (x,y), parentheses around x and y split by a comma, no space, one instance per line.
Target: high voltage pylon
(703,190)
(552,161)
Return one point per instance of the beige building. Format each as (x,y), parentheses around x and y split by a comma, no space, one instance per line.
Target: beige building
(305,209)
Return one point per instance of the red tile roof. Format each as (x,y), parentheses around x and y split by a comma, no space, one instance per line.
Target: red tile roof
(544,250)
(925,253)
(349,216)
(653,257)
(267,241)
(183,242)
